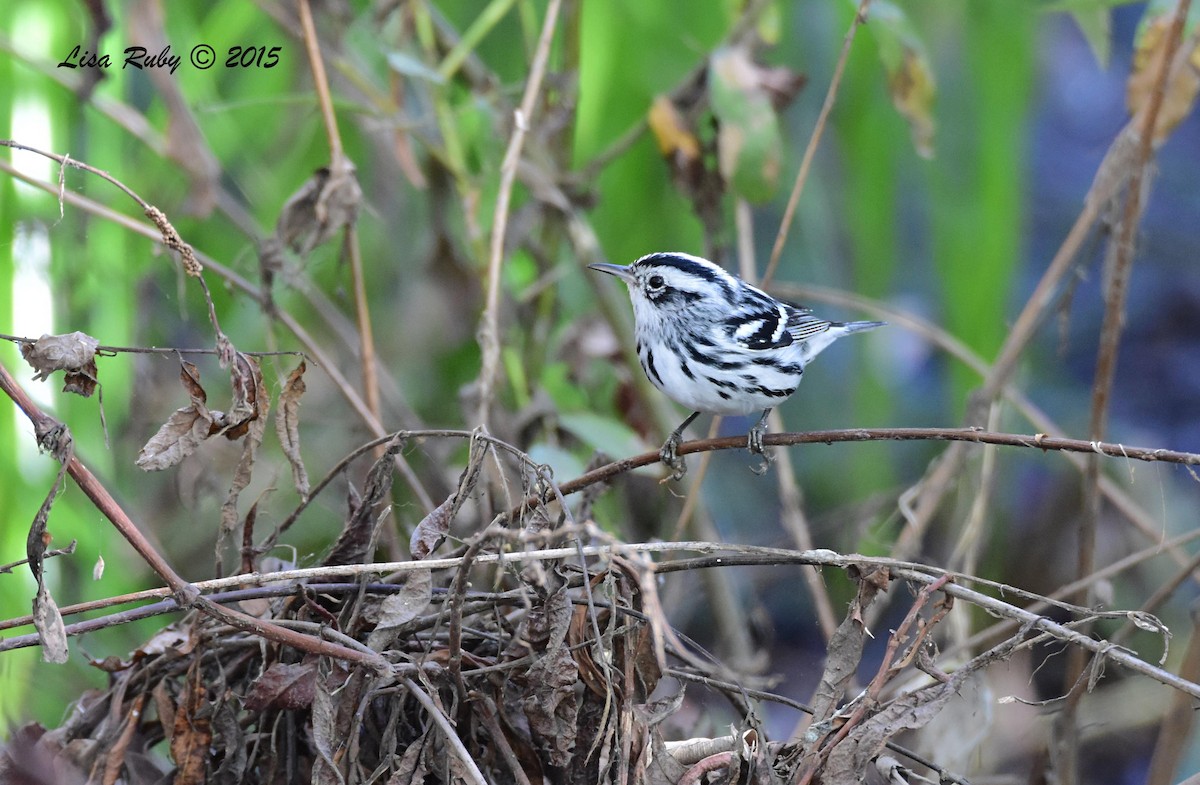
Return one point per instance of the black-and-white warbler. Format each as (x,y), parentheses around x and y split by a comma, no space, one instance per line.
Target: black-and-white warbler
(718,345)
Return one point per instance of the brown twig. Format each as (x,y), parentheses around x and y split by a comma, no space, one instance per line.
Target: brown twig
(740,554)
(789,212)
(339,163)
(6,569)
(1121,254)
(869,700)
(489,328)
(185,593)
(312,45)
(443,722)
(167,350)
(969,435)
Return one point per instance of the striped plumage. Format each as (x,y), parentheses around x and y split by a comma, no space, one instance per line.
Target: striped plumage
(716,344)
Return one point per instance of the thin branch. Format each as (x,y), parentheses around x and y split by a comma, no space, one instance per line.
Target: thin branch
(738,554)
(489,330)
(320,81)
(1121,254)
(451,735)
(184,593)
(340,164)
(6,569)
(167,350)
(969,435)
(789,212)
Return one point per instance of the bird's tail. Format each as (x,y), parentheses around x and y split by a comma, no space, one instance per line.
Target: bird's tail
(847,328)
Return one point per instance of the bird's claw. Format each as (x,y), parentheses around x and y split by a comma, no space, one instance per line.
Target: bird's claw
(669,456)
(754,444)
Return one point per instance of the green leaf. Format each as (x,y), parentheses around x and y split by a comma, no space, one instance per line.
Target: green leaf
(749,143)
(408,65)
(1096,26)
(564,463)
(609,436)
(910,76)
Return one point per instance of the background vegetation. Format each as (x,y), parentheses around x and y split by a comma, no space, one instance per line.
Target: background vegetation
(964,142)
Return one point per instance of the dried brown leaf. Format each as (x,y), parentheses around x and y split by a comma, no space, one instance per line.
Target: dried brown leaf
(412,769)
(351,544)
(46,617)
(1182,87)
(172,640)
(74,353)
(253,404)
(432,530)
(232,770)
(334,706)
(284,687)
(434,527)
(192,732)
(325,203)
(250,399)
(403,606)
(851,758)
(184,430)
(846,643)
(49,625)
(165,708)
(115,752)
(659,767)
(287,427)
(178,438)
(552,706)
(675,139)
(550,703)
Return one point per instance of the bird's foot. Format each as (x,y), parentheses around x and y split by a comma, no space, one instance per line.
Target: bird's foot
(754,443)
(669,456)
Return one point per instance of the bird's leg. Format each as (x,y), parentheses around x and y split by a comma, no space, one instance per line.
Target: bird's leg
(668,455)
(754,443)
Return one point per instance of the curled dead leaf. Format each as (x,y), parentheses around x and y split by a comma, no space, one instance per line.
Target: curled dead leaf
(1182,87)
(253,402)
(910,74)
(184,430)
(74,353)
(675,139)
(325,203)
(284,686)
(48,622)
(287,426)
(188,427)
(403,606)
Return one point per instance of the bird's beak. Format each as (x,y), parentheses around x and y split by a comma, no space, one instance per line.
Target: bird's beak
(621,271)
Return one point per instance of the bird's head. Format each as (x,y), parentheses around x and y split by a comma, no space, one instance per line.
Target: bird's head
(662,283)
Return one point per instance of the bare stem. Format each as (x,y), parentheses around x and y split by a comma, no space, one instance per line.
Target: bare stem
(489,335)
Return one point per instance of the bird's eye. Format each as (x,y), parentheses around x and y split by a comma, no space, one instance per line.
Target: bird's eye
(656,282)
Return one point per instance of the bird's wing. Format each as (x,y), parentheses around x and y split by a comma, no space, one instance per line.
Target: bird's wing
(803,325)
(763,322)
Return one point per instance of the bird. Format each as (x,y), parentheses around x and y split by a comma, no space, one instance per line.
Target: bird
(718,345)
